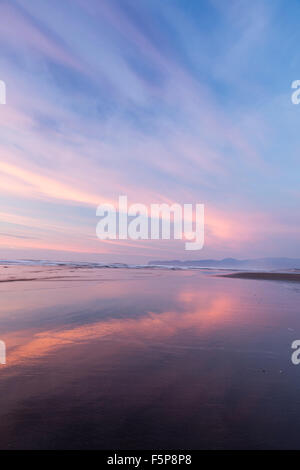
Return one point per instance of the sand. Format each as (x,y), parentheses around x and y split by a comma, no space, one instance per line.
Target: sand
(291,277)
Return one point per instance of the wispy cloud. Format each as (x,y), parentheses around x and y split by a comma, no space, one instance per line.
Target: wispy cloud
(162,102)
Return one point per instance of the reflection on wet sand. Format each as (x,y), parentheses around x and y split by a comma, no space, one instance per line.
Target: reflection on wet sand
(157,326)
(130,359)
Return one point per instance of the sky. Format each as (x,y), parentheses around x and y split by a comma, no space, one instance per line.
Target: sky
(185,101)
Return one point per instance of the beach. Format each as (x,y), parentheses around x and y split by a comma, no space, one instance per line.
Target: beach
(265,276)
(120,358)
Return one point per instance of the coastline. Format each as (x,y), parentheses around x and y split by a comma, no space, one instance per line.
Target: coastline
(265,276)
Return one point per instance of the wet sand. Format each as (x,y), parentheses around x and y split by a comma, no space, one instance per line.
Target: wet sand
(146,359)
(291,277)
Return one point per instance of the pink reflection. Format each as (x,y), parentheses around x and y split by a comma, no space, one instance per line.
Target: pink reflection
(192,308)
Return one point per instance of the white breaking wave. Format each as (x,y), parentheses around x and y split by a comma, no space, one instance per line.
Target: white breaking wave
(73,264)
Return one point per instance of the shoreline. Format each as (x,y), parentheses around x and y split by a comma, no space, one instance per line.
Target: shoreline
(289,277)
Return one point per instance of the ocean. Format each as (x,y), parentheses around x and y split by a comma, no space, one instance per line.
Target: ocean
(142,357)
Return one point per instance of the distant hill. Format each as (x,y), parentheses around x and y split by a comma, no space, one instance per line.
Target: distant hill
(259,263)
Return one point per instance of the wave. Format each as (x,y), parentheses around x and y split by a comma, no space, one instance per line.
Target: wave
(150,266)
(78,264)
(94,265)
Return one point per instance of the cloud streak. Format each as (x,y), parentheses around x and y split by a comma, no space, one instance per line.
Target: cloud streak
(161,102)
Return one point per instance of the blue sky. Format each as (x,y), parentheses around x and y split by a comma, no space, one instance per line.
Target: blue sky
(173,101)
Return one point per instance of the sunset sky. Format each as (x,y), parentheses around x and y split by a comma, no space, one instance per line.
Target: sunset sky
(185,101)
